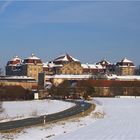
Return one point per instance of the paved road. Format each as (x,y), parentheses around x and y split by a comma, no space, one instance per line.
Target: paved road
(78,108)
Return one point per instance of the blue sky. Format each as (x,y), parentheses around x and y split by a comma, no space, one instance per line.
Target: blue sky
(88,30)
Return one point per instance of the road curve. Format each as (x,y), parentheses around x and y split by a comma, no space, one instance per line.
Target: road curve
(78,108)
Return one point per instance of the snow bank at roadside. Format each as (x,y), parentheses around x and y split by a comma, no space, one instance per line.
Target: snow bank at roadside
(49,131)
(120,121)
(24,109)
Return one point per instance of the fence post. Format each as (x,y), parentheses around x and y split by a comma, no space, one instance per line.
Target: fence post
(44,121)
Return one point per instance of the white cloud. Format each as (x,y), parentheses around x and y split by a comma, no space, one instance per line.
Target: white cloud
(5,5)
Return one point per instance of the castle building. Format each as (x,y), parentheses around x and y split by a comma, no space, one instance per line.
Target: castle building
(64,64)
(125,67)
(13,67)
(104,63)
(30,67)
(92,68)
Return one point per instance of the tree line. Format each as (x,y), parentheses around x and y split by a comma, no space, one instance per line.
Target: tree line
(73,89)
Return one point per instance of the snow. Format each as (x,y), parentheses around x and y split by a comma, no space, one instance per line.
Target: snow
(121,122)
(85,66)
(127,77)
(69,76)
(45,65)
(126,60)
(17,77)
(51,65)
(99,66)
(103,62)
(92,66)
(33,57)
(74,59)
(134,97)
(87,76)
(25,109)
(15,58)
(124,66)
(112,119)
(65,58)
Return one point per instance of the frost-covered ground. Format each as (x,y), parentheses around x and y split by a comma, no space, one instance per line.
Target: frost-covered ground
(23,109)
(121,122)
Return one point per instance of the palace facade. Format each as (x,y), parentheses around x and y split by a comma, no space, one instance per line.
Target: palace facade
(30,67)
(66,65)
(125,67)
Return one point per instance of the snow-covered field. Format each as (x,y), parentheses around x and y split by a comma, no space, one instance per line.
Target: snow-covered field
(113,119)
(24,109)
(121,122)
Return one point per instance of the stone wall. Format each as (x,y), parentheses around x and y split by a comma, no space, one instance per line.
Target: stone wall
(114,91)
(115,88)
(24,84)
(125,70)
(32,70)
(72,68)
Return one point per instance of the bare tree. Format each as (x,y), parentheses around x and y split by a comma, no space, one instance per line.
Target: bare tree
(1,72)
(62,90)
(1,107)
(86,88)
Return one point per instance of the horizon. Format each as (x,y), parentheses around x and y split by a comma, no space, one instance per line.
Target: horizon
(89,31)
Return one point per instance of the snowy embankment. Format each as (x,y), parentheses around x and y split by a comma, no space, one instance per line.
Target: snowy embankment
(113,119)
(46,132)
(24,109)
(121,122)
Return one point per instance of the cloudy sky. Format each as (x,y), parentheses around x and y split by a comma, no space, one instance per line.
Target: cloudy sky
(88,30)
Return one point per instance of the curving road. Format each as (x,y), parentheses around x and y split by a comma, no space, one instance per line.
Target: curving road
(121,122)
(78,108)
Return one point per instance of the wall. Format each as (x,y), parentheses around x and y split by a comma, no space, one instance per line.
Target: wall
(24,84)
(32,70)
(72,68)
(114,88)
(113,91)
(125,70)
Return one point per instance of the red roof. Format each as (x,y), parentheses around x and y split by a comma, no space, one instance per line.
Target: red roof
(14,61)
(64,58)
(32,59)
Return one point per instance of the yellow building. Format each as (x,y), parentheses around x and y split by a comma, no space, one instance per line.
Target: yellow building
(64,64)
(71,68)
(32,66)
(125,67)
